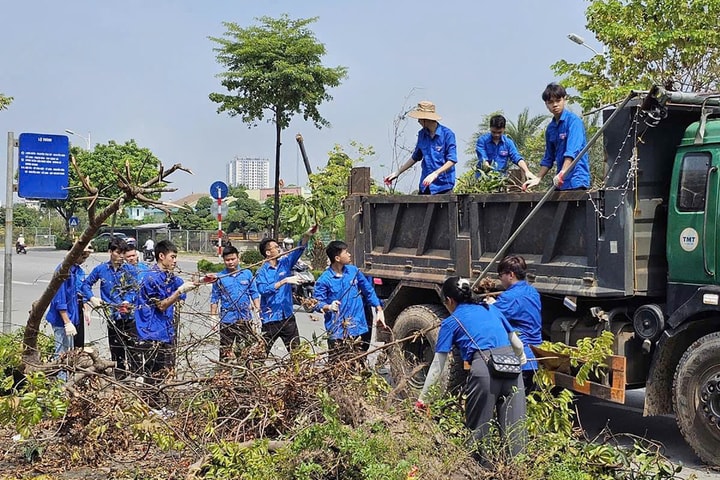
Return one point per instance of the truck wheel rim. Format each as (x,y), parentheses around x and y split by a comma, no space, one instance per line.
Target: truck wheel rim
(710,400)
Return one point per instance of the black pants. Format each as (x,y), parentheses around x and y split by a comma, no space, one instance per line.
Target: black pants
(120,339)
(154,362)
(79,339)
(529,381)
(488,396)
(239,334)
(367,336)
(286,330)
(426,191)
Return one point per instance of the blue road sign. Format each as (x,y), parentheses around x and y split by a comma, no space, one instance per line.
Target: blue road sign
(218,190)
(43,166)
(74,221)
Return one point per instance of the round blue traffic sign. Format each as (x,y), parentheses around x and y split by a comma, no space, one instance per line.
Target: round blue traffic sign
(218,190)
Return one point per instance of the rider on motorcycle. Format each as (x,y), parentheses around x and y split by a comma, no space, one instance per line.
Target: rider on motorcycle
(149,250)
(20,244)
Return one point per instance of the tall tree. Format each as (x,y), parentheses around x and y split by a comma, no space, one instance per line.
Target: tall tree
(274,68)
(103,165)
(676,44)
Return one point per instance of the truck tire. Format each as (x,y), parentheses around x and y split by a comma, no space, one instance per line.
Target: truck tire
(421,350)
(696,397)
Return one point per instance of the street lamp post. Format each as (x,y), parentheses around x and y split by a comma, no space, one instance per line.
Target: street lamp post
(87,139)
(581,41)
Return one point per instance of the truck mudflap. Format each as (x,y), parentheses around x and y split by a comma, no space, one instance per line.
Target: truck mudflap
(558,365)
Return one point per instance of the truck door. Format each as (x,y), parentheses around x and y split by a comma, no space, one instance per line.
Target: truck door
(692,217)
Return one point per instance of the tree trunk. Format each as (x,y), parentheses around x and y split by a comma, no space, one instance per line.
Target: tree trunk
(276,209)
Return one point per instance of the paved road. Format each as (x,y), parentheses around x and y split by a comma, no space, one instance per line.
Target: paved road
(31,274)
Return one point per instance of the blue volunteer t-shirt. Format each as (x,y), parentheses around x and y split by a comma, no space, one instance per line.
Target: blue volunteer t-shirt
(235,293)
(349,288)
(520,304)
(151,323)
(499,155)
(276,305)
(486,326)
(566,138)
(434,152)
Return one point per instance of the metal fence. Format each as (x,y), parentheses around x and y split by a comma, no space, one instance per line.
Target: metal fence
(34,236)
(189,240)
(196,241)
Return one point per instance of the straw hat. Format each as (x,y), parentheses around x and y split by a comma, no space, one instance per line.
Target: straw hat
(425,110)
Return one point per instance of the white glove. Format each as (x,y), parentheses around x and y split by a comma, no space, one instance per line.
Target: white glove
(391,178)
(214,317)
(95,302)
(490,300)
(523,359)
(517,347)
(530,183)
(187,286)
(558,179)
(70,329)
(334,306)
(380,319)
(294,280)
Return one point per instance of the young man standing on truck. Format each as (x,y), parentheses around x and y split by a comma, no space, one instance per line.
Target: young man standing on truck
(437,150)
(496,151)
(564,139)
(340,291)
(520,303)
(235,294)
(274,283)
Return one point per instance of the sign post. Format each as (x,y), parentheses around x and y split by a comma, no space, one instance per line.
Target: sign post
(7,275)
(219,190)
(73,222)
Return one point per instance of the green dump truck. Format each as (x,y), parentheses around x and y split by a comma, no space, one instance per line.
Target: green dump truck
(639,257)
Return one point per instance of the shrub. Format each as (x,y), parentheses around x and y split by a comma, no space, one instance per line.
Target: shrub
(206,266)
(251,256)
(63,242)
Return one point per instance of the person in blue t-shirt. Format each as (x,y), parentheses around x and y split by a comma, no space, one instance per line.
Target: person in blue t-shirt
(564,140)
(274,281)
(160,290)
(118,284)
(475,329)
(235,293)
(437,150)
(339,292)
(520,303)
(64,314)
(497,151)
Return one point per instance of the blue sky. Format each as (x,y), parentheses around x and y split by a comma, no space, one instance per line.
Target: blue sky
(144,69)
